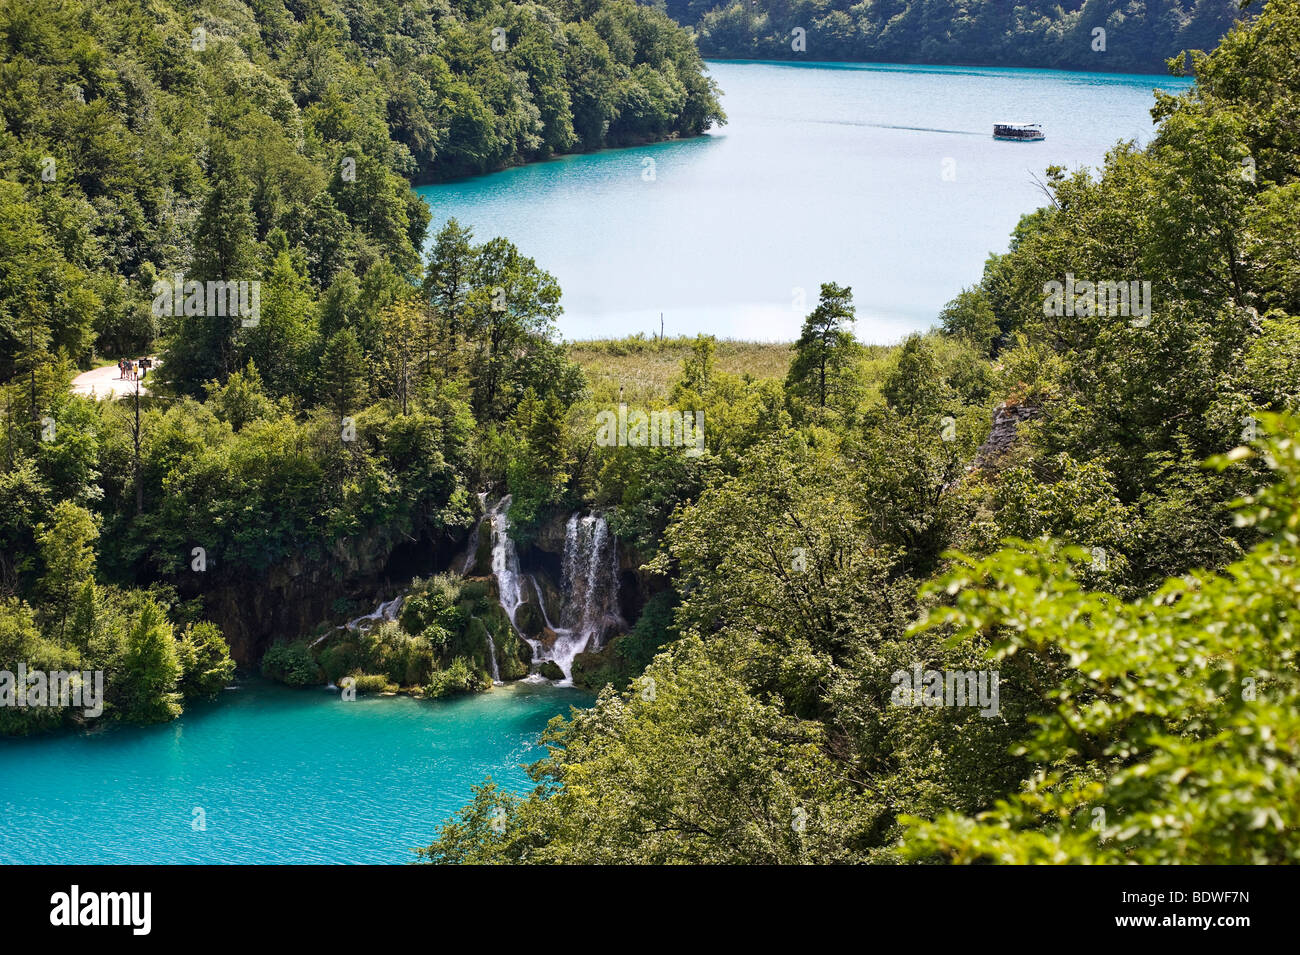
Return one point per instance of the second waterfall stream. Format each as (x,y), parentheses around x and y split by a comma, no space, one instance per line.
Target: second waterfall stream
(589,587)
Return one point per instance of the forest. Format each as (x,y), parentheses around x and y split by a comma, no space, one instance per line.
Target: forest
(1138,36)
(1102,510)
(148,142)
(1125,563)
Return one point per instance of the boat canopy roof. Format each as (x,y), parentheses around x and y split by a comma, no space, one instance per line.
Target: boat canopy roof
(1020,125)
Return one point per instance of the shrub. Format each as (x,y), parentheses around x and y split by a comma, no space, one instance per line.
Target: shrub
(374,683)
(291,664)
(388,649)
(206,667)
(432,603)
(340,659)
(459,677)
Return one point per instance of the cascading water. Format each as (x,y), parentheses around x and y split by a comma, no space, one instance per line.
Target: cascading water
(505,561)
(590,580)
(492,660)
(387,610)
(589,586)
(563,649)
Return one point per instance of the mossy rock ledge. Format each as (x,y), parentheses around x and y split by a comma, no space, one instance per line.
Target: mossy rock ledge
(551,670)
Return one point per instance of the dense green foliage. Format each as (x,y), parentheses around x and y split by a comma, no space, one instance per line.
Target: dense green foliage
(1168,737)
(850,518)
(1140,35)
(1142,633)
(436,647)
(145,664)
(237,141)
(337,408)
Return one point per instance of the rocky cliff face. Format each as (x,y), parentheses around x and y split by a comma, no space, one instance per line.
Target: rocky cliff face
(292,598)
(1006,419)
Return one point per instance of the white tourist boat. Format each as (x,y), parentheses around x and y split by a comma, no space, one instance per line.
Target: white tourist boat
(1019,132)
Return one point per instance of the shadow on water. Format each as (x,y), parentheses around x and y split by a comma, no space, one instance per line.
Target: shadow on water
(547,166)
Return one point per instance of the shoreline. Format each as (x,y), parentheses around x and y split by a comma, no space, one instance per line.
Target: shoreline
(911,65)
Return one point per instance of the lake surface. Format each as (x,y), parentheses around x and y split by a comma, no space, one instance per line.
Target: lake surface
(283,776)
(885,178)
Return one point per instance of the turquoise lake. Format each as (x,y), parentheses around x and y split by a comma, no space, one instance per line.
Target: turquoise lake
(282,776)
(885,178)
(881,177)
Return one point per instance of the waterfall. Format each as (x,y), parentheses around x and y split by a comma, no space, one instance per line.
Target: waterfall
(505,561)
(541,601)
(505,564)
(590,580)
(492,659)
(589,586)
(385,611)
(589,608)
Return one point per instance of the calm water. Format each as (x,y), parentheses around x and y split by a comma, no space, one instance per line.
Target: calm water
(825,172)
(283,776)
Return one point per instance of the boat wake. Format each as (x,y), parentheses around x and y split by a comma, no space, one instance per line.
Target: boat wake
(909,129)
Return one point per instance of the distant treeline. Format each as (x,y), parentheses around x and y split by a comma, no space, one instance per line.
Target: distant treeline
(1140,35)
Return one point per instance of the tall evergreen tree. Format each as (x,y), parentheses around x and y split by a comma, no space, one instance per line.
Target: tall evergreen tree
(145,688)
(343,376)
(447,283)
(824,356)
(67,546)
(914,386)
(225,250)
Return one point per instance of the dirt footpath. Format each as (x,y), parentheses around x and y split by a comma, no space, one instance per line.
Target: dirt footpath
(105,383)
